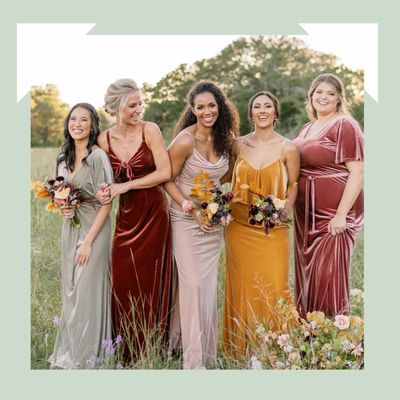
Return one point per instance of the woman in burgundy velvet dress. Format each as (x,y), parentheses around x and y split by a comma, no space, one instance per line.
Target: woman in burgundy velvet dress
(141,250)
(329,207)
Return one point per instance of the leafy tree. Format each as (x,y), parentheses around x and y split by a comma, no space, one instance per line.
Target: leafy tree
(283,65)
(47,116)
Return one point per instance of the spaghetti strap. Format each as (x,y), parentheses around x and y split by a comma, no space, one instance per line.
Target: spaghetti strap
(283,146)
(109,141)
(191,137)
(143,124)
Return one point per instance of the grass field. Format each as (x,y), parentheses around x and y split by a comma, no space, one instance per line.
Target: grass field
(45,275)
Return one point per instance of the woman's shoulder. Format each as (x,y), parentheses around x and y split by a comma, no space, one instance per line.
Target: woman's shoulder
(346,121)
(184,139)
(97,154)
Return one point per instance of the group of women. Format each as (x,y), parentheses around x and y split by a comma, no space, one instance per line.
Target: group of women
(164,255)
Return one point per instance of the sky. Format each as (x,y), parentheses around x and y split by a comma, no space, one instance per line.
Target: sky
(82,66)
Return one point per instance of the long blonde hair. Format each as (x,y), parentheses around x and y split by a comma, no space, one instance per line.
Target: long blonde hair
(333,80)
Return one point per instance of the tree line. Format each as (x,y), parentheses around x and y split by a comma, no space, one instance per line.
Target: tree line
(282,65)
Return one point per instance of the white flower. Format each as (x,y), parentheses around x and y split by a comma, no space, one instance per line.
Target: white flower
(259,216)
(213,207)
(293,357)
(255,364)
(288,348)
(346,346)
(342,322)
(283,340)
(356,293)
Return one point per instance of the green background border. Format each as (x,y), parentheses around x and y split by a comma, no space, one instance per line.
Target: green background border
(378,380)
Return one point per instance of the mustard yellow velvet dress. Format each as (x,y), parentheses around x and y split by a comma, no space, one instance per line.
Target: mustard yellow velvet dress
(257,265)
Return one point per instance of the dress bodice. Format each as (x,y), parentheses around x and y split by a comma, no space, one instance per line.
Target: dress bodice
(140,164)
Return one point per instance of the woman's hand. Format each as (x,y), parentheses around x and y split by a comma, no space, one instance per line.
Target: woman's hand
(68,212)
(118,188)
(204,225)
(103,195)
(337,225)
(83,253)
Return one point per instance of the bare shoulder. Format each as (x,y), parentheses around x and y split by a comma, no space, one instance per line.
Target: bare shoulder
(183,142)
(290,147)
(102,141)
(151,128)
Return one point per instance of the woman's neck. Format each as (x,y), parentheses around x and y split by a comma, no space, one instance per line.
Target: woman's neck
(264,135)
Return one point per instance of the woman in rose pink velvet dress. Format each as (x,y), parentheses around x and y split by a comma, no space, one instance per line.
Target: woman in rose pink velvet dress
(329,207)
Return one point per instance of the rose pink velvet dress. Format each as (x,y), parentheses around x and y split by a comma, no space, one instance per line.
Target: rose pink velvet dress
(321,260)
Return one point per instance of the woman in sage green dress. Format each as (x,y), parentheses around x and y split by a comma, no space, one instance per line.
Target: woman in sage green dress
(85,323)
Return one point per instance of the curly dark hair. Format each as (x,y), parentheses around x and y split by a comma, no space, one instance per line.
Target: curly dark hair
(226,127)
(67,153)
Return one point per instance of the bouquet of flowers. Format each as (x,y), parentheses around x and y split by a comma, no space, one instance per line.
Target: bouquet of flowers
(60,194)
(268,212)
(313,342)
(214,203)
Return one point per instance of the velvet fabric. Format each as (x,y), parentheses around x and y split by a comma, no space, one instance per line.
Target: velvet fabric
(321,259)
(141,256)
(257,265)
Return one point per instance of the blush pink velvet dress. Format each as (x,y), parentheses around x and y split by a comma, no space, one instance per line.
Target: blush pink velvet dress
(321,260)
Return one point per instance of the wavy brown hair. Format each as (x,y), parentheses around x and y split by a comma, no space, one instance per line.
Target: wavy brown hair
(226,127)
(67,153)
(274,100)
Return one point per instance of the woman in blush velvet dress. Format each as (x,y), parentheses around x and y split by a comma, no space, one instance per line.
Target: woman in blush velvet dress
(85,318)
(329,208)
(203,141)
(257,265)
(141,249)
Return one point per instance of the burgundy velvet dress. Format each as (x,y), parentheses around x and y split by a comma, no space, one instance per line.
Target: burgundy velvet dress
(321,260)
(140,256)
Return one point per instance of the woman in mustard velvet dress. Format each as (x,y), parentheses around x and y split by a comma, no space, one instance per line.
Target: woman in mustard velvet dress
(257,265)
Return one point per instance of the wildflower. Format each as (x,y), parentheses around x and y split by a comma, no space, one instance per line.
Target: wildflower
(254,364)
(346,346)
(260,330)
(316,316)
(280,365)
(326,348)
(356,293)
(358,350)
(293,357)
(283,340)
(342,322)
(288,348)
(56,320)
(108,346)
(118,339)
(90,364)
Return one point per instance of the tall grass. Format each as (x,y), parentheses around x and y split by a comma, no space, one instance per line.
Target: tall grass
(46,284)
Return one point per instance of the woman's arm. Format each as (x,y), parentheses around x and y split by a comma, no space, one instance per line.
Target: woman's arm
(84,250)
(292,162)
(161,174)
(178,151)
(351,191)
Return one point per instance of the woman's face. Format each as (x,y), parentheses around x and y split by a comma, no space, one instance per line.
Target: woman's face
(132,111)
(205,108)
(79,124)
(325,99)
(263,112)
